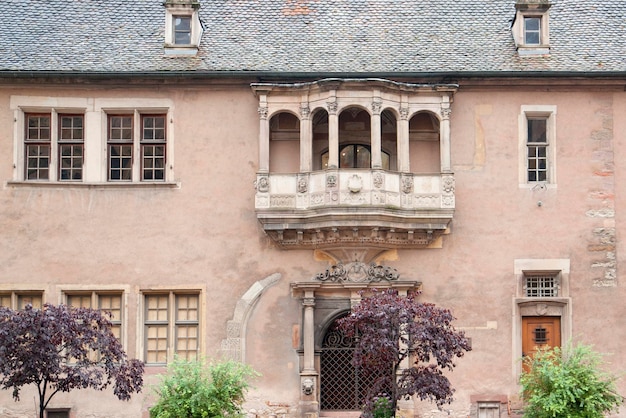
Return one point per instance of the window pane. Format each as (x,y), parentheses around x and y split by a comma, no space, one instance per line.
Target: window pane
(537,129)
(5,300)
(120,162)
(156,308)
(182,30)
(362,157)
(120,128)
(346,157)
(187,308)
(156,344)
(79,301)
(23,300)
(38,128)
(70,162)
(532,30)
(111,304)
(71,128)
(153,162)
(187,342)
(37,161)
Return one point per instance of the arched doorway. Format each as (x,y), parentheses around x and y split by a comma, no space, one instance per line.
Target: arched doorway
(342,386)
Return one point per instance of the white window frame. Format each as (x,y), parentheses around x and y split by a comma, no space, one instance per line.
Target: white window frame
(182,9)
(95,158)
(537,111)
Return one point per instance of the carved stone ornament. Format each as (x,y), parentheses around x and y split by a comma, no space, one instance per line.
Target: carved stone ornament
(542,309)
(404,113)
(305,110)
(307,386)
(263,184)
(378,180)
(332,107)
(303,185)
(446,112)
(358,272)
(331,180)
(448,185)
(355,183)
(407,184)
(263,111)
(376,106)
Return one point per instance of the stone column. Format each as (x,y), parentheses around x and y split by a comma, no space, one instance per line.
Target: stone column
(403,141)
(306,139)
(375,134)
(309,330)
(333,134)
(444,136)
(264,136)
(309,405)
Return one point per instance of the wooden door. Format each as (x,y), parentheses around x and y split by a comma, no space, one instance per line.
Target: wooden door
(540,332)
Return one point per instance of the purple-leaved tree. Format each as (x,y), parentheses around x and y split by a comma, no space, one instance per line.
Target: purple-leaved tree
(61,348)
(389,328)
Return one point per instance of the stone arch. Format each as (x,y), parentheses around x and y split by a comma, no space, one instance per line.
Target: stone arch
(233,346)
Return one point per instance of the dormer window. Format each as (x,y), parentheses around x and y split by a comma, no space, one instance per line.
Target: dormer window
(530,27)
(183,28)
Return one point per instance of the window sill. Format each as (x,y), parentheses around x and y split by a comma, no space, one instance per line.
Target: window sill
(81,185)
(181,50)
(533,50)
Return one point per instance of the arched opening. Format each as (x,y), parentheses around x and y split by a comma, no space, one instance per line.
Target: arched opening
(284,143)
(424,143)
(342,386)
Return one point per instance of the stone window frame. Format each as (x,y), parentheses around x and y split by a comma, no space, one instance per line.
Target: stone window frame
(14,298)
(528,112)
(182,8)
(523,306)
(531,9)
(95,112)
(171,322)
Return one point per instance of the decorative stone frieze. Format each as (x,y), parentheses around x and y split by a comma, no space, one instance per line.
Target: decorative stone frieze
(358,272)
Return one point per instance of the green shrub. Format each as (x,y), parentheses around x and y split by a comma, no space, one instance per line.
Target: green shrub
(195,389)
(382,408)
(568,383)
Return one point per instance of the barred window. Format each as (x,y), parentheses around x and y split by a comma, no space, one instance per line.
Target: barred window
(541,285)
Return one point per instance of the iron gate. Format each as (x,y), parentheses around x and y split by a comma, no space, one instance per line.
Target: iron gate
(342,387)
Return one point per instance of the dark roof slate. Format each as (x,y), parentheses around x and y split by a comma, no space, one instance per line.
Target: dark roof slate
(309,36)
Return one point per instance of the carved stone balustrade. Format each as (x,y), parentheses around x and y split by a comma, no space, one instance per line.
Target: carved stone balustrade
(354,207)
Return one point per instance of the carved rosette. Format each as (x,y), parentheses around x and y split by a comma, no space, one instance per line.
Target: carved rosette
(331,180)
(407,184)
(303,184)
(263,184)
(448,185)
(378,180)
(263,111)
(358,272)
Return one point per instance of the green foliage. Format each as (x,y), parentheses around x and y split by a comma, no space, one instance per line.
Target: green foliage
(195,389)
(382,408)
(568,383)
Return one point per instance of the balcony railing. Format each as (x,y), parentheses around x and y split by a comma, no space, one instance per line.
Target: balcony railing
(354,207)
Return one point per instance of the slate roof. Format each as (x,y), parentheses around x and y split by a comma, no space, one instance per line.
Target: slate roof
(309,36)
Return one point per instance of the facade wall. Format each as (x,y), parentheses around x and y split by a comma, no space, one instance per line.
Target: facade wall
(202,234)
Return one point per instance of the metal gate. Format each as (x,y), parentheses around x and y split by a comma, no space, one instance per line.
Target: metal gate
(342,387)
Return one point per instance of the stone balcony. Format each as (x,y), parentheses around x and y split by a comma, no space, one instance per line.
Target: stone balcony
(356,208)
